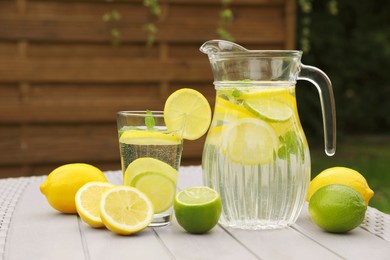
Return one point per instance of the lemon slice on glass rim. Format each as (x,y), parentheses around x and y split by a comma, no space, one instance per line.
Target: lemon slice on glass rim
(188,109)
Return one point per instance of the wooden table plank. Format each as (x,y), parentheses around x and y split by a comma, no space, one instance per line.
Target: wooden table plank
(103,244)
(356,244)
(39,232)
(216,244)
(282,244)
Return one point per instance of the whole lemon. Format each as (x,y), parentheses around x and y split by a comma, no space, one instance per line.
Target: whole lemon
(337,208)
(61,185)
(341,175)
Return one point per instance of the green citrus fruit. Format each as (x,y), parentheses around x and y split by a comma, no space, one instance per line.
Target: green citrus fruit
(197,209)
(337,208)
(341,175)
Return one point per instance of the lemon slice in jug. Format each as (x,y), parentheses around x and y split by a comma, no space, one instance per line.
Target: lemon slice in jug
(250,141)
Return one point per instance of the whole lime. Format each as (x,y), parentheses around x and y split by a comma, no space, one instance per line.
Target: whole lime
(197,209)
(341,175)
(337,208)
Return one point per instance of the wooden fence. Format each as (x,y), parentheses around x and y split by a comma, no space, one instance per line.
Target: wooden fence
(62,81)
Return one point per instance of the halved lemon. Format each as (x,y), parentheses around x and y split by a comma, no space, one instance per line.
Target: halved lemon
(87,202)
(189,110)
(125,210)
(250,141)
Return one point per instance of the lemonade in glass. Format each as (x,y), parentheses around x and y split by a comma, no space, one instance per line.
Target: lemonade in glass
(150,158)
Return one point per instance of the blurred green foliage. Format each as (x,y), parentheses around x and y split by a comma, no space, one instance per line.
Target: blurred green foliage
(352,46)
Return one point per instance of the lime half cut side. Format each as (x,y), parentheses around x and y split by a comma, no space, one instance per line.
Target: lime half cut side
(269,109)
(250,141)
(197,209)
(148,164)
(197,195)
(159,188)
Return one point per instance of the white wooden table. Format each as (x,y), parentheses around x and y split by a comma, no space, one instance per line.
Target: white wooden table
(31,229)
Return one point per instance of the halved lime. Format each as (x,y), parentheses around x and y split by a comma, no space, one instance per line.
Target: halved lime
(148,164)
(197,209)
(159,188)
(148,138)
(250,141)
(269,109)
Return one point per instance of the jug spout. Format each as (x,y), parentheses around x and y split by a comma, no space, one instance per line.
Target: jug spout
(215,47)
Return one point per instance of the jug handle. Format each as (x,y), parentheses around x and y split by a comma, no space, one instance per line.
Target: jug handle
(321,81)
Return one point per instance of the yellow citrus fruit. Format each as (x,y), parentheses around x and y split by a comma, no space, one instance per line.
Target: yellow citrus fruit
(227,111)
(337,208)
(189,110)
(125,210)
(61,185)
(250,141)
(88,201)
(341,175)
(147,138)
(197,209)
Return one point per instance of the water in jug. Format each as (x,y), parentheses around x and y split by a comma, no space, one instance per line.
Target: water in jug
(256,154)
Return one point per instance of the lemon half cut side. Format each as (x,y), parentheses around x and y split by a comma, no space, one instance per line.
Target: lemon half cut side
(125,210)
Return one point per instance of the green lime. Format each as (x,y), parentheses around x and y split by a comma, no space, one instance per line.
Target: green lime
(158,187)
(269,109)
(337,208)
(197,209)
(148,164)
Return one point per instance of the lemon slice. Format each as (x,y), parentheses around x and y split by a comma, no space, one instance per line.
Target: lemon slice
(189,110)
(265,92)
(250,141)
(87,202)
(125,210)
(229,112)
(269,109)
(148,164)
(148,138)
(214,136)
(159,188)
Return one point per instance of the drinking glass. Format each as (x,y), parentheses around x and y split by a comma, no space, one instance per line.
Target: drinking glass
(150,158)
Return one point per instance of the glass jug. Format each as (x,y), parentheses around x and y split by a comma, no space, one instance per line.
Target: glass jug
(256,154)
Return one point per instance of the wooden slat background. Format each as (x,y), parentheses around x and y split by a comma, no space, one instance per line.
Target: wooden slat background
(62,81)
